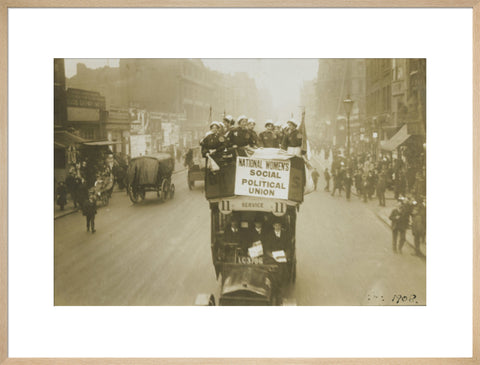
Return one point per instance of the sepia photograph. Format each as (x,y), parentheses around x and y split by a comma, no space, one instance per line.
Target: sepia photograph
(240,182)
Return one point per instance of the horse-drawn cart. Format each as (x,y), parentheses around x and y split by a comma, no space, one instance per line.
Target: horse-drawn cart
(150,174)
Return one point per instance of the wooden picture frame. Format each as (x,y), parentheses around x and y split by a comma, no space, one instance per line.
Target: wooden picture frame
(7,4)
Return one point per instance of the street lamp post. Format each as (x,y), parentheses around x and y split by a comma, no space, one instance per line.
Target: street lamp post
(348,103)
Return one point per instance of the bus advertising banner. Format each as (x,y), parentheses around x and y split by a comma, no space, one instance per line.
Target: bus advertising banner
(262,178)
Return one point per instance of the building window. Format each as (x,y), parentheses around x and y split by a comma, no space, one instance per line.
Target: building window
(88,133)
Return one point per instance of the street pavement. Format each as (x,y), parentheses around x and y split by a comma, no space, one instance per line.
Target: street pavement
(383,213)
(150,253)
(155,253)
(69,208)
(345,257)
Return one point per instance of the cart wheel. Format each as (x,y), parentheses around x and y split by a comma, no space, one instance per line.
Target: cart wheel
(134,196)
(163,190)
(172,191)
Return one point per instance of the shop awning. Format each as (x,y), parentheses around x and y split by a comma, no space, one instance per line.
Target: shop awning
(398,139)
(65,139)
(101,143)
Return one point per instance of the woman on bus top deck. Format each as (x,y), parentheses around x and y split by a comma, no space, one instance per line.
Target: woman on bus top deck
(213,143)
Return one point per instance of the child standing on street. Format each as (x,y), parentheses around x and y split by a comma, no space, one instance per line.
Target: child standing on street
(89,211)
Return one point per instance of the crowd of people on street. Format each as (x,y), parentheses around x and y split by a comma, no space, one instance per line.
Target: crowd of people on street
(83,186)
(371,178)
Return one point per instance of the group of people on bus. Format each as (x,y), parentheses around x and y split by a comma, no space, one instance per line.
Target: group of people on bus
(224,136)
(272,237)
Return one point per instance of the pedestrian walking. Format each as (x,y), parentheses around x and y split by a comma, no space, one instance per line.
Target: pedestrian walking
(62,195)
(365,187)
(400,184)
(315,176)
(358,182)
(419,188)
(347,182)
(371,182)
(400,220)
(70,185)
(381,187)
(82,192)
(89,211)
(326,176)
(418,226)
(337,182)
(326,153)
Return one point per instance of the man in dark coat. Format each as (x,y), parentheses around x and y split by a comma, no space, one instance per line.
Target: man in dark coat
(347,182)
(418,226)
(315,176)
(365,187)
(188,158)
(82,192)
(71,187)
(400,219)
(235,234)
(89,211)
(338,181)
(400,183)
(278,239)
(419,187)
(358,182)
(371,183)
(268,137)
(381,187)
(258,231)
(61,195)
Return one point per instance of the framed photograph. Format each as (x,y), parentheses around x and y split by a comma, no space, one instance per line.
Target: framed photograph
(239,182)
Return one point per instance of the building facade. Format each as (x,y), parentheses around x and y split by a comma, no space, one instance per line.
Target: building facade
(86,113)
(336,80)
(176,86)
